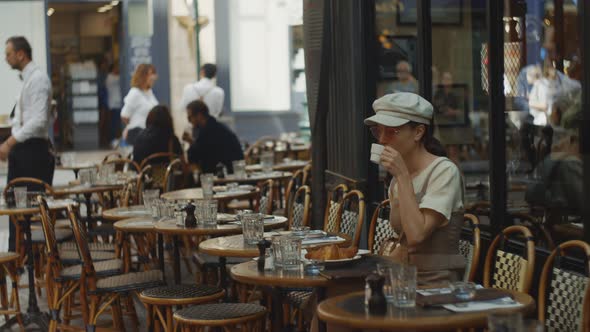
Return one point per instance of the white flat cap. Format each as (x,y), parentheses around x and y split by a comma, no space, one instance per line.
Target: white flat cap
(397,109)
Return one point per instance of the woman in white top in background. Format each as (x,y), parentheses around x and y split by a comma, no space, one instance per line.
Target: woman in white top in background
(139,101)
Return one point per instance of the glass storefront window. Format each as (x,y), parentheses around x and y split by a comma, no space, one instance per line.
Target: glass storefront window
(543,94)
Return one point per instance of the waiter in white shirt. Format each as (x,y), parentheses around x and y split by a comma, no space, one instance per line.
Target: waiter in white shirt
(28,150)
(205,90)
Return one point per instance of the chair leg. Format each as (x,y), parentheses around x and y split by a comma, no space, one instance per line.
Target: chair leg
(132,312)
(117,315)
(169,319)
(12,269)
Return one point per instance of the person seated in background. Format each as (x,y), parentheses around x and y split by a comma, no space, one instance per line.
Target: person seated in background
(215,144)
(405,80)
(158,135)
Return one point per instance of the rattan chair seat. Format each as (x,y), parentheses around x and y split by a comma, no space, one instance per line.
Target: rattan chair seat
(94,246)
(130,282)
(102,229)
(63,223)
(74,256)
(219,311)
(61,235)
(9,256)
(181,294)
(298,298)
(103,269)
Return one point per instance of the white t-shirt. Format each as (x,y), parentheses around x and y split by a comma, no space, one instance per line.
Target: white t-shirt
(444,190)
(205,88)
(137,105)
(113,84)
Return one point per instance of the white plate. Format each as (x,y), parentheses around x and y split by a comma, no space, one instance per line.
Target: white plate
(343,260)
(247,187)
(219,189)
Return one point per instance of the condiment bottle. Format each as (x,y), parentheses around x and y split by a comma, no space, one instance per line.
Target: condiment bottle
(377,301)
(190,221)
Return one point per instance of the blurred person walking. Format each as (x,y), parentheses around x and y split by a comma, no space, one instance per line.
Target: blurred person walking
(139,101)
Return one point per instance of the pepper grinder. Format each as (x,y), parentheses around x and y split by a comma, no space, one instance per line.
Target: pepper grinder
(190,221)
(262,245)
(377,301)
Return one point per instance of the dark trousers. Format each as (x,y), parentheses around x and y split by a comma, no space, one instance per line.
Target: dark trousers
(115,123)
(31,158)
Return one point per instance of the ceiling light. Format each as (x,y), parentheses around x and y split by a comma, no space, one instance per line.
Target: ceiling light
(50,11)
(114,3)
(102,9)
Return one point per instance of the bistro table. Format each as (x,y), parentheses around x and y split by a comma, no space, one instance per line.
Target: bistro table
(349,310)
(34,315)
(134,211)
(273,281)
(222,197)
(76,167)
(255,177)
(286,166)
(234,246)
(142,227)
(169,227)
(87,191)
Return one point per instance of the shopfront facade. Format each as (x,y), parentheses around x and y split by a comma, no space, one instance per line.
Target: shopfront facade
(511,102)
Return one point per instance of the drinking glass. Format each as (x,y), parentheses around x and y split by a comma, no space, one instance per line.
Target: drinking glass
(276,250)
(106,173)
(86,176)
(209,212)
(207,185)
(20,197)
(387,271)
(290,252)
(252,227)
(504,322)
(239,167)
(68,158)
(267,161)
(157,207)
(404,286)
(32,198)
(232,186)
(148,196)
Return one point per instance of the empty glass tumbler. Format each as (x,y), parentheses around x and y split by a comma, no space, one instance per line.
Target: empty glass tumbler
(253,227)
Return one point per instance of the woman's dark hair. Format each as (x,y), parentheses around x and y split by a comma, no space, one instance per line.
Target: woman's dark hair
(159,117)
(431,144)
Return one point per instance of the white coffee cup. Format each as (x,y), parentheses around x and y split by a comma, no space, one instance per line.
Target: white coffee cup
(376,150)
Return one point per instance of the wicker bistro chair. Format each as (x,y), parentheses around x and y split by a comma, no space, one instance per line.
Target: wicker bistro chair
(250,317)
(335,198)
(294,184)
(352,215)
(307,175)
(159,162)
(564,296)
(471,249)
(505,270)
(160,301)
(265,202)
(63,282)
(111,156)
(174,178)
(123,164)
(9,262)
(380,229)
(144,181)
(108,291)
(300,211)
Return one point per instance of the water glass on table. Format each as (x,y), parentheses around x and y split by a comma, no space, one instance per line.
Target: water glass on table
(148,196)
(87,176)
(275,241)
(20,197)
(252,227)
(208,212)
(207,185)
(239,167)
(291,252)
(404,280)
(267,161)
(388,271)
(68,159)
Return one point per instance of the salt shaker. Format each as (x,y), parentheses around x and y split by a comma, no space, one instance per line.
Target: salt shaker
(377,301)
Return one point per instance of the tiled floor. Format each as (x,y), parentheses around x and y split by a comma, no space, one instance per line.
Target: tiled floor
(63,177)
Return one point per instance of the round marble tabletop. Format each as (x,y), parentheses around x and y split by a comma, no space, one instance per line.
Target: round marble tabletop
(197,193)
(256,177)
(349,310)
(169,227)
(136,225)
(234,246)
(133,211)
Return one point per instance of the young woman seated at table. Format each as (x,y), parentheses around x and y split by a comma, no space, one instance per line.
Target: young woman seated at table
(158,135)
(426,192)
